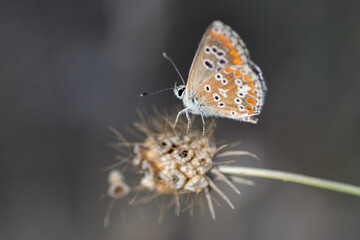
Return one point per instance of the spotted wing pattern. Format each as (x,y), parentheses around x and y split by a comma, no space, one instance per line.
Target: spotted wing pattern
(234,92)
(235,89)
(211,54)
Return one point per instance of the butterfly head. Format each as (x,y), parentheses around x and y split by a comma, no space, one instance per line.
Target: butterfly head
(179,91)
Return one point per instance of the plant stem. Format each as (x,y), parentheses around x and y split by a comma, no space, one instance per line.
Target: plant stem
(291,177)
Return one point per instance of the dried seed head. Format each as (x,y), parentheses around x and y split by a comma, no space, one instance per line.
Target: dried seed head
(170,161)
(117,187)
(173,163)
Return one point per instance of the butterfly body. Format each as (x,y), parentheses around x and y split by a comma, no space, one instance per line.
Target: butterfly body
(223,81)
(193,104)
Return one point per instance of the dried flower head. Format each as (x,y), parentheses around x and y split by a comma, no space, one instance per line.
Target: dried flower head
(170,161)
(117,186)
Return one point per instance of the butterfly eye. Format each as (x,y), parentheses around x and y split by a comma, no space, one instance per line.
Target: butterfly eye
(181,92)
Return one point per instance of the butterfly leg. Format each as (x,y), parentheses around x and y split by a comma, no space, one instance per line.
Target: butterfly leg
(189,121)
(185,110)
(203,121)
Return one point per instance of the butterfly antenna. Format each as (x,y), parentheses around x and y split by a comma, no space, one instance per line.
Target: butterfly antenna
(153,93)
(172,63)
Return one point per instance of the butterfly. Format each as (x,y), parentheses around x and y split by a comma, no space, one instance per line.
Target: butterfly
(223,81)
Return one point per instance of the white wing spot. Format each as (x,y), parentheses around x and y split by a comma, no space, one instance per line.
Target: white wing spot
(240,50)
(243,58)
(222,61)
(237,100)
(245,70)
(216,28)
(226,33)
(216,97)
(235,34)
(241,107)
(233,41)
(241,42)
(241,95)
(214,50)
(223,92)
(207,88)
(207,49)
(238,82)
(220,53)
(208,64)
(244,88)
(224,81)
(221,104)
(218,76)
(253,75)
(233,113)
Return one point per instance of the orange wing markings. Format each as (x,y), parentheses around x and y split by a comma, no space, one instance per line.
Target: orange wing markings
(233,53)
(251,101)
(250,110)
(250,84)
(213,34)
(247,78)
(228,44)
(222,37)
(237,61)
(229,70)
(253,94)
(231,50)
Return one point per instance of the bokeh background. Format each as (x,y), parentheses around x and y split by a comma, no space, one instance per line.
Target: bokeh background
(69,69)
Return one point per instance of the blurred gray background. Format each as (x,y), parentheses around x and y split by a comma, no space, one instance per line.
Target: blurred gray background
(69,69)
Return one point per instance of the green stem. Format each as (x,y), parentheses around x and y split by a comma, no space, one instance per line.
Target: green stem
(291,177)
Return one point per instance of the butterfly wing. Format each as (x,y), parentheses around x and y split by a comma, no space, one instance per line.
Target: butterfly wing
(235,92)
(219,46)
